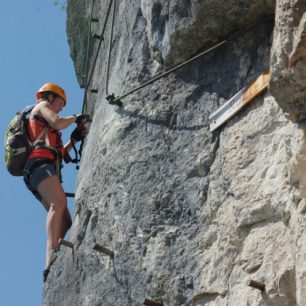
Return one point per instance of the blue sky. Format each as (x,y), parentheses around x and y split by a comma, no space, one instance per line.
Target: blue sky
(34,50)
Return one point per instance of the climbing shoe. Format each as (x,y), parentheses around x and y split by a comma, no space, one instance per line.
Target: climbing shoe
(45,274)
(53,257)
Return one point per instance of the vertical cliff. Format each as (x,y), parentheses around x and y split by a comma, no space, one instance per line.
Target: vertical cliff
(190,215)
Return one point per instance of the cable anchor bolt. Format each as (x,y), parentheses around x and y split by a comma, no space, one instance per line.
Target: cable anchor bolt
(255,284)
(99,37)
(113,100)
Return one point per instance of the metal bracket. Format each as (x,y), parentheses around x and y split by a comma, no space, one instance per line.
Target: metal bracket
(66,243)
(151,303)
(99,37)
(104,250)
(113,101)
(256,285)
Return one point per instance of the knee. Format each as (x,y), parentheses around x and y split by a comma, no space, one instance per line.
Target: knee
(60,205)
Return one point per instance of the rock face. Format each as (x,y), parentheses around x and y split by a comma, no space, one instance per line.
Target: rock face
(191,215)
(288,58)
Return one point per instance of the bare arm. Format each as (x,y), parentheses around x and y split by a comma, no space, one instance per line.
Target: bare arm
(44,109)
(68,146)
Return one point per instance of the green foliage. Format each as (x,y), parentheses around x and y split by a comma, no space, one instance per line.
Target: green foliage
(61,4)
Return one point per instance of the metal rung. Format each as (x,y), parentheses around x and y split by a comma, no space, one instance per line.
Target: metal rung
(69,194)
(94,90)
(256,285)
(66,243)
(103,250)
(95,20)
(151,303)
(96,36)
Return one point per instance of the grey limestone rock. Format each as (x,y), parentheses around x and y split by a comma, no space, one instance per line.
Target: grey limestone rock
(190,215)
(288,58)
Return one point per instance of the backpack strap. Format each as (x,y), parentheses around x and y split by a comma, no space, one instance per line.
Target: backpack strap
(39,142)
(28,109)
(40,119)
(44,132)
(19,150)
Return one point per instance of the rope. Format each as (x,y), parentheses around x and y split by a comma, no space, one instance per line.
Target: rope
(110,47)
(112,100)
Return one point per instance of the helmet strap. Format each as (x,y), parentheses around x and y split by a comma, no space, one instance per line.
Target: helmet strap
(53,98)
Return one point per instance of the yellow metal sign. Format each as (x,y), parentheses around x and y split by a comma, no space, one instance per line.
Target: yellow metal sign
(238,101)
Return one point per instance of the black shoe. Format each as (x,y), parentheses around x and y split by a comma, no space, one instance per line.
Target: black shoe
(45,274)
(53,257)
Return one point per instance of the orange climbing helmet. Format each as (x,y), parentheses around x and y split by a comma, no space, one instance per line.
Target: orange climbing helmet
(52,87)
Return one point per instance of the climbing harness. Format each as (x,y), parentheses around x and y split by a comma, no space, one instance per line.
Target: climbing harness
(77,156)
(77,135)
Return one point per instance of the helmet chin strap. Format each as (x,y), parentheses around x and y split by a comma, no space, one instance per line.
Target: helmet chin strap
(53,98)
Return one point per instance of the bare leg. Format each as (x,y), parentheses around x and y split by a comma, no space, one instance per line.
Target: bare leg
(66,219)
(58,218)
(66,223)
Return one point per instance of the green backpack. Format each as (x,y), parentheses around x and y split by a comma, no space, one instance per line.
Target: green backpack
(17,143)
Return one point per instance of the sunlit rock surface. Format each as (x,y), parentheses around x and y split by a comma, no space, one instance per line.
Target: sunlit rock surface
(191,215)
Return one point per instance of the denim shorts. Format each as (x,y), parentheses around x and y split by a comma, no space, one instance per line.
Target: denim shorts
(35,171)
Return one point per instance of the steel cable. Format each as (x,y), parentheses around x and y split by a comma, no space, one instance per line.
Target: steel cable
(113,100)
(110,47)
(96,56)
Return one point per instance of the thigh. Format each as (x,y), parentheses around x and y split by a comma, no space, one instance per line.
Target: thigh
(36,171)
(51,191)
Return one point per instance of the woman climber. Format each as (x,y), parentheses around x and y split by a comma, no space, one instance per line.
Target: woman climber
(42,169)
